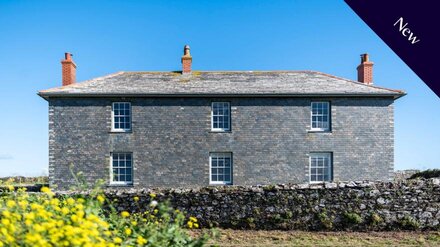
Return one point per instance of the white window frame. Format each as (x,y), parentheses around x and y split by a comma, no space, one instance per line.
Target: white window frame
(113,118)
(327,155)
(327,104)
(228,128)
(111,170)
(224,182)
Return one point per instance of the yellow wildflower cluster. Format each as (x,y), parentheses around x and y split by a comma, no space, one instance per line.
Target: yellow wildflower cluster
(41,219)
(192,222)
(48,221)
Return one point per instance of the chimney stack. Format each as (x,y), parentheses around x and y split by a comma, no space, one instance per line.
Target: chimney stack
(186,60)
(365,70)
(68,69)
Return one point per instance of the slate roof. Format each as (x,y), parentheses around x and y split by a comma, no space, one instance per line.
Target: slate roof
(234,83)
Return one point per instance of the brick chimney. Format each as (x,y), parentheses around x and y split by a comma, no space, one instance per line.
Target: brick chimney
(365,70)
(68,69)
(186,60)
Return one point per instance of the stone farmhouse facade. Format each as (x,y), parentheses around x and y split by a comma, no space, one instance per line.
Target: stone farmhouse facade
(191,128)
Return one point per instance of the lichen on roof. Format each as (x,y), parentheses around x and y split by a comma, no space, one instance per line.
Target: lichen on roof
(294,83)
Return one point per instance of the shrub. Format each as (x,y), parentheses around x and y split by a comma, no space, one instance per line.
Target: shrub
(326,221)
(409,223)
(431,173)
(352,218)
(41,219)
(375,219)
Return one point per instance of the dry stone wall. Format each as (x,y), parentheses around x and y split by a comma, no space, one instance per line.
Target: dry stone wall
(358,206)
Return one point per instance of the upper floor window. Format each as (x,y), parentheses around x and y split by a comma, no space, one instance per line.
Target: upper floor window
(220,116)
(121,116)
(320,116)
(320,167)
(121,169)
(220,169)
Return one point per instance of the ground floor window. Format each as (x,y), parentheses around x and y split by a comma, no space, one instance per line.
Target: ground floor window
(220,168)
(121,168)
(320,167)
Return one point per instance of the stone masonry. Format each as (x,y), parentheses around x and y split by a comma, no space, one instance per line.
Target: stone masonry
(171,138)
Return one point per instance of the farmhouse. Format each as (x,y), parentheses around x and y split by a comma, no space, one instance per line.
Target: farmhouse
(196,128)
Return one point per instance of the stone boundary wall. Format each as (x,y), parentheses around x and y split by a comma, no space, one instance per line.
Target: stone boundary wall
(357,206)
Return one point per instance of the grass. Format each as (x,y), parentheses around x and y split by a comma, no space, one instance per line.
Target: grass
(241,238)
(21,180)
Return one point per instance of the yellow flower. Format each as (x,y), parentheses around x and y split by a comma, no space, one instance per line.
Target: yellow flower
(140,240)
(117,240)
(152,195)
(65,210)
(196,225)
(100,198)
(30,216)
(47,191)
(23,204)
(127,231)
(134,223)
(5,222)
(193,219)
(11,188)
(136,198)
(74,218)
(6,213)
(190,224)
(125,214)
(10,203)
(70,201)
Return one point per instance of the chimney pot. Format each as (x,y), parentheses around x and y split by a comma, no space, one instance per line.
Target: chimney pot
(365,70)
(186,60)
(68,70)
(68,56)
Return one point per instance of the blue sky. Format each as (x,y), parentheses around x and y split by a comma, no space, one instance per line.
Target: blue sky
(110,36)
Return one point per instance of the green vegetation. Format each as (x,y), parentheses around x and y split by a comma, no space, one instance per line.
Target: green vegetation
(352,218)
(42,219)
(20,180)
(326,221)
(431,173)
(375,219)
(409,223)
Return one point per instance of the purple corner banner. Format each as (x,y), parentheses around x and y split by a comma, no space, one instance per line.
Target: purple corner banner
(411,29)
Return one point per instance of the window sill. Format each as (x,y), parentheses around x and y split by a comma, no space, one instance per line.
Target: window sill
(220,184)
(120,131)
(319,131)
(220,131)
(120,185)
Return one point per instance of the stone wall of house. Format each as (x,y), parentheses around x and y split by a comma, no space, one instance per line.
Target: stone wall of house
(413,204)
(171,139)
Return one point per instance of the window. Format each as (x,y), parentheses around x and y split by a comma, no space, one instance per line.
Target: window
(220,168)
(221,116)
(121,169)
(320,116)
(320,167)
(121,116)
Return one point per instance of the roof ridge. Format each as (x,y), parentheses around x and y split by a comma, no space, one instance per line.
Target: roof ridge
(277,71)
(268,82)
